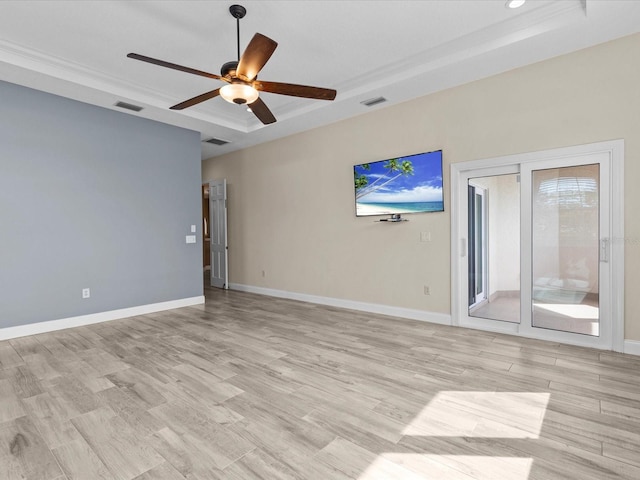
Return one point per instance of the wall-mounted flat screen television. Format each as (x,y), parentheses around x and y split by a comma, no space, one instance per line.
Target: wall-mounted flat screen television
(395,186)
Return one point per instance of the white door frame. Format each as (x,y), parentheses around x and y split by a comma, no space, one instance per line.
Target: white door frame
(460,172)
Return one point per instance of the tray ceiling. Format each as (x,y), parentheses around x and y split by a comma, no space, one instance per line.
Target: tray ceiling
(398,50)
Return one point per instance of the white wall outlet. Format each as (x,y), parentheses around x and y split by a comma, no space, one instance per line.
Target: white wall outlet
(426,290)
(193,229)
(86,292)
(190,239)
(425,236)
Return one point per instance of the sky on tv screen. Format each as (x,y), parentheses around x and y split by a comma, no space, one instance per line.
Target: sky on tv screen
(385,185)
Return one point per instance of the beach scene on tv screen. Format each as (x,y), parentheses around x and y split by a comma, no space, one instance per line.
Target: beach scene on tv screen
(411,184)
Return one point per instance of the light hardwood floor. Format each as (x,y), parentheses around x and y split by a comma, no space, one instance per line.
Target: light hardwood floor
(251,387)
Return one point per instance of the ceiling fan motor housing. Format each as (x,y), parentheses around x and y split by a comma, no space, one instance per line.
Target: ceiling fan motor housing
(229,69)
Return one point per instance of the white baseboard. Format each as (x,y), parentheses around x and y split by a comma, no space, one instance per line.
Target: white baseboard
(632,347)
(61,324)
(432,317)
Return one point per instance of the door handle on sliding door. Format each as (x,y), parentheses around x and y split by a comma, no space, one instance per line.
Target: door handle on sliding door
(604,250)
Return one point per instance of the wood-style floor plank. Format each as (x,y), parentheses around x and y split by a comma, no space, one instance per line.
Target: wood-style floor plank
(52,418)
(117,445)
(8,356)
(10,405)
(24,454)
(79,462)
(250,387)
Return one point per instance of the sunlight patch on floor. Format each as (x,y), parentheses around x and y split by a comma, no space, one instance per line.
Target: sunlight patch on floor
(416,466)
(585,312)
(481,415)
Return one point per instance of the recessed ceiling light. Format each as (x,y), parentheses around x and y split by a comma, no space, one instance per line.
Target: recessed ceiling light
(514,3)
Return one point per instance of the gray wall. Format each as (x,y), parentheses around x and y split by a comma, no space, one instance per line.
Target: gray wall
(95,198)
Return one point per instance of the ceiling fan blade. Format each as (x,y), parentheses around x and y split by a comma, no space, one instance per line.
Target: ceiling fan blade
(174,66)
(195,100)
(256,54)
(261,111)
(293,90)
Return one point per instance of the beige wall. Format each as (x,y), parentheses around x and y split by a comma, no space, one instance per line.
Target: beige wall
(507,235)
(291,207)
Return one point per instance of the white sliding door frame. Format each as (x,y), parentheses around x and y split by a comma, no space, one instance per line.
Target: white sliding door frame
(612,339)
(481,255)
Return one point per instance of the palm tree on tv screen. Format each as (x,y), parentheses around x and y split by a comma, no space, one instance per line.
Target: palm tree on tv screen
(394,169)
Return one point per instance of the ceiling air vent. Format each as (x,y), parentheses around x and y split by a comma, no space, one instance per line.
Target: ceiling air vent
(128,106)
(373,101)
(216,141)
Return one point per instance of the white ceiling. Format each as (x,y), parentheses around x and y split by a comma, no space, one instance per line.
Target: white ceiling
(364,49)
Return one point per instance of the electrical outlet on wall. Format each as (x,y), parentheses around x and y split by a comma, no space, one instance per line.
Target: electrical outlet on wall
(86,292)
(426,290)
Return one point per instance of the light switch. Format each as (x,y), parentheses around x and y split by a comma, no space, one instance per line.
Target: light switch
(193,229)
(425,236)
(190,238)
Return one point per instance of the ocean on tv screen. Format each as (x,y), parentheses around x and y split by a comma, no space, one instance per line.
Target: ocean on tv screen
(364,209)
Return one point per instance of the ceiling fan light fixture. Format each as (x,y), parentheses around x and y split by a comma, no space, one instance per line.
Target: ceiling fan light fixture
(239,93)
(241,76)
(514,3)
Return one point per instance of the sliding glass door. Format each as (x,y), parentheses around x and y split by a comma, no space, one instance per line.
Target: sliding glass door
(565,237)
(567,240)
(537,237)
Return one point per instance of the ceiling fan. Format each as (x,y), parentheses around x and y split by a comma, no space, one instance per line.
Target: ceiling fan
(241,76)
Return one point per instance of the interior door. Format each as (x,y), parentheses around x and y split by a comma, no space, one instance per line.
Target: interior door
(218,230)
